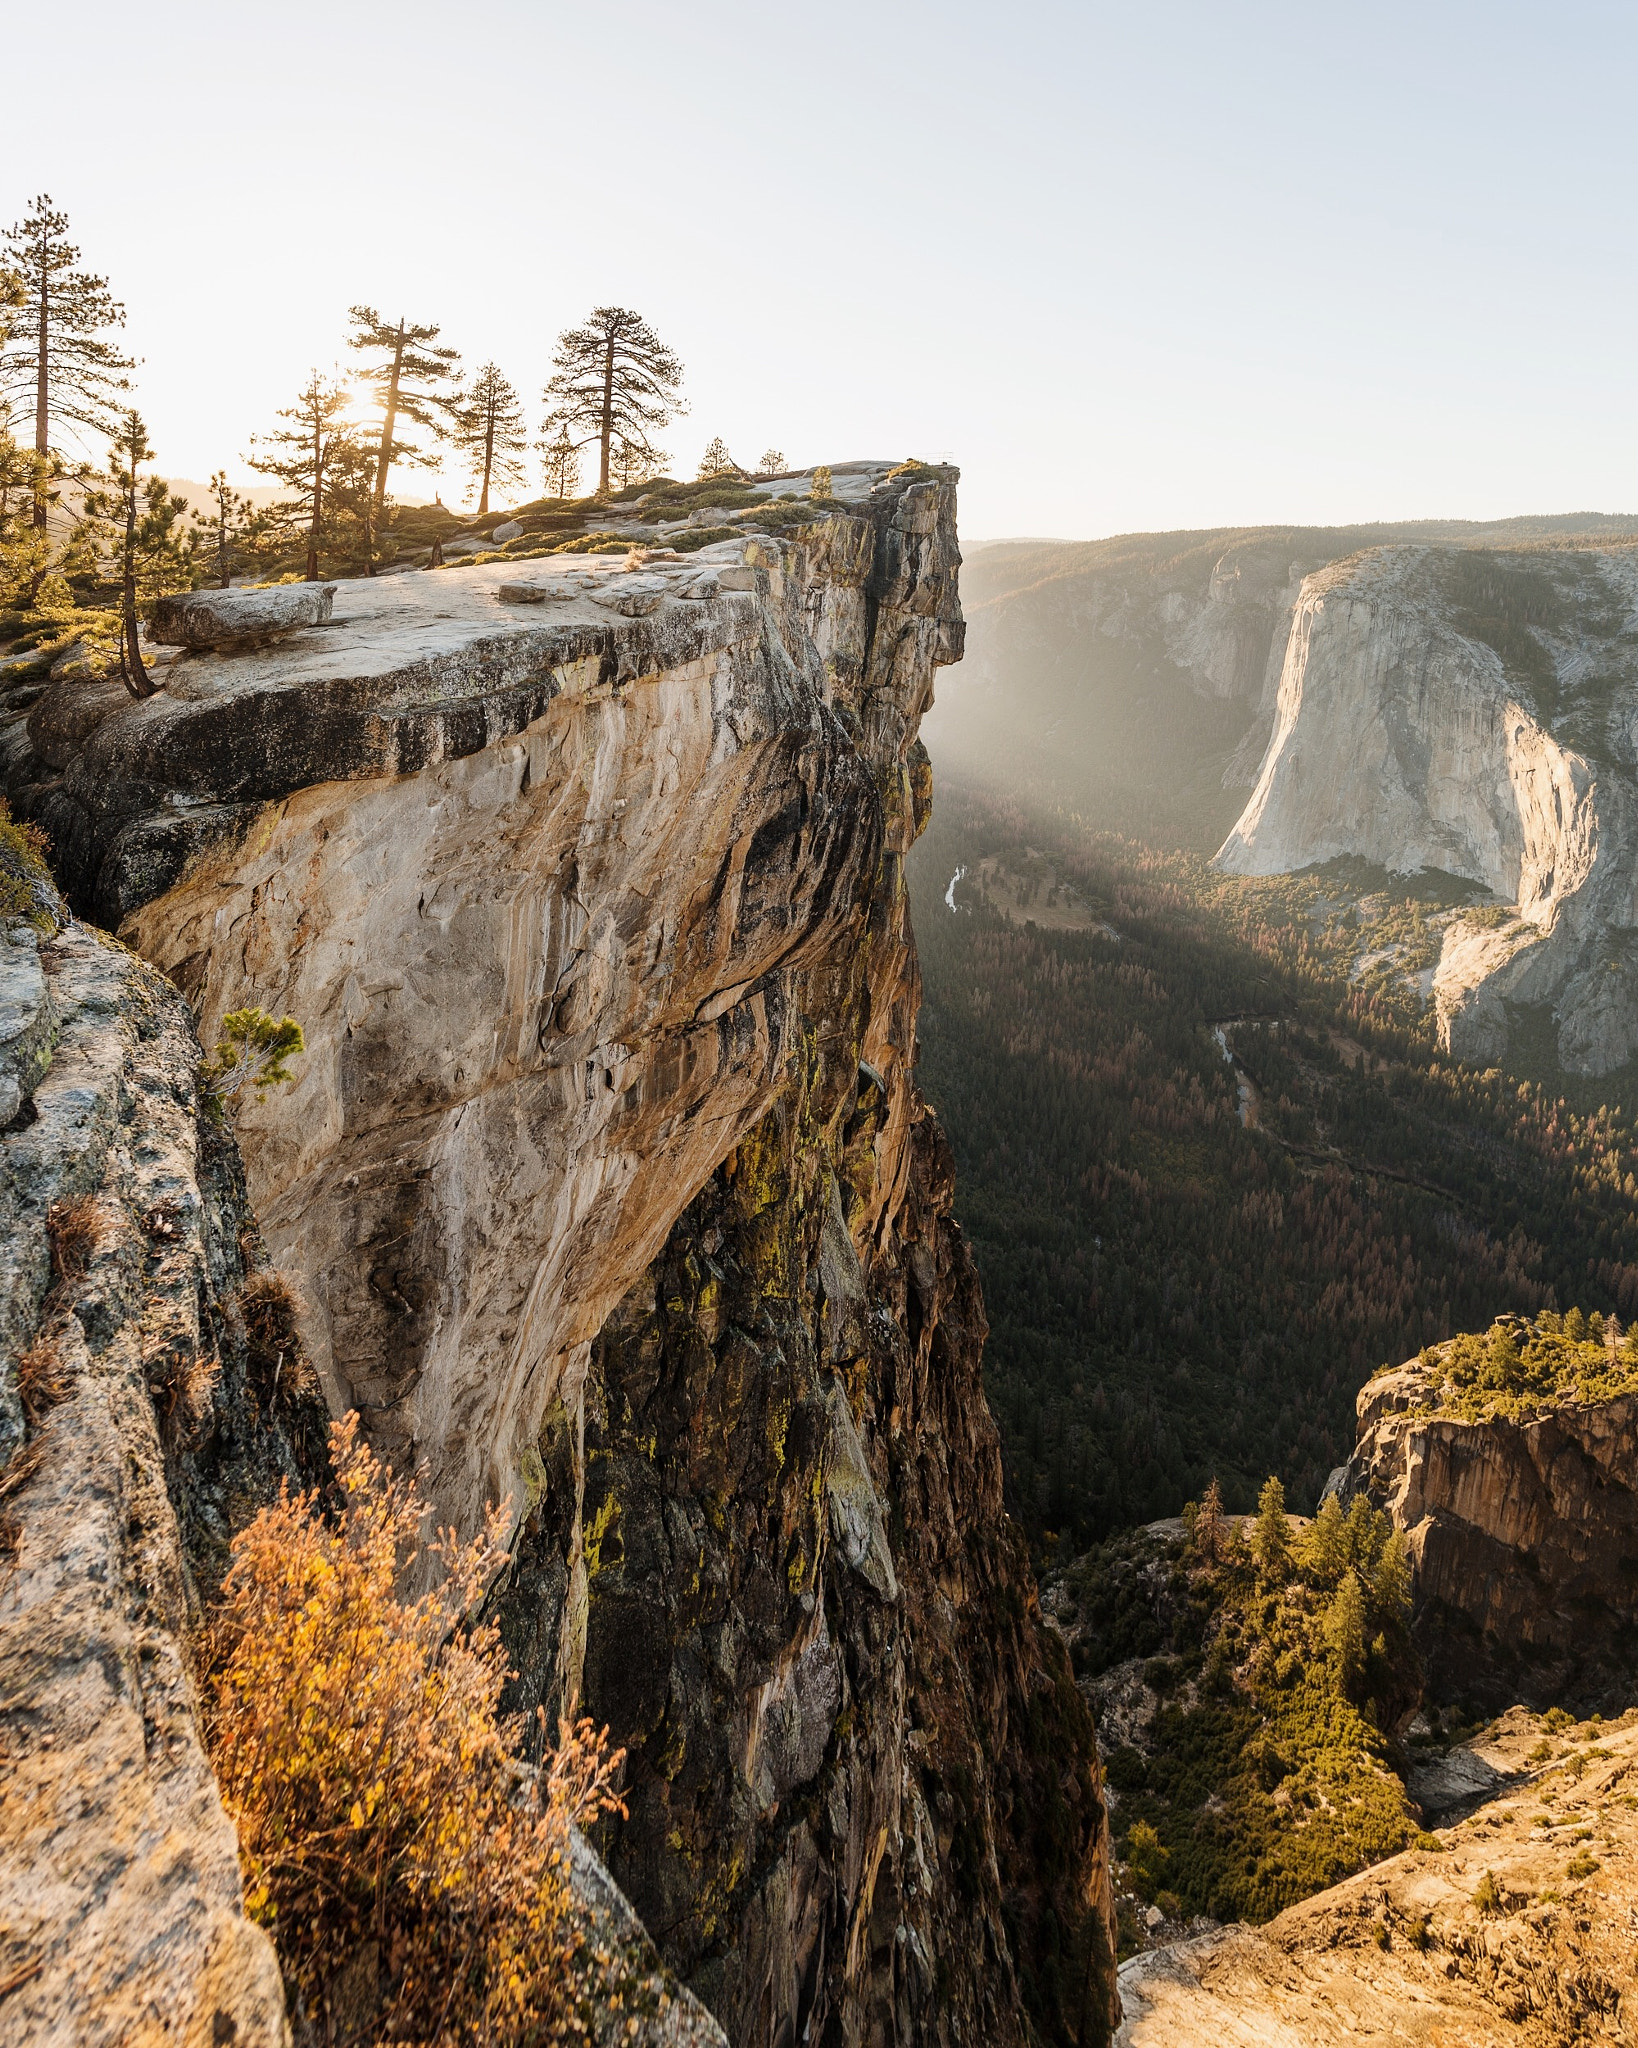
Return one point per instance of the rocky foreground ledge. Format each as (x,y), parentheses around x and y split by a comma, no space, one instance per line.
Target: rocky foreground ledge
(1511,1929)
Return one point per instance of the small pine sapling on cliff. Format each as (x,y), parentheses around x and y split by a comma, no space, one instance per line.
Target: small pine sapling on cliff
(252,1052)
(821,481)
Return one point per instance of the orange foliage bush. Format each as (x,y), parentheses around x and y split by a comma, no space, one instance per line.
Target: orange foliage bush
(412,1870)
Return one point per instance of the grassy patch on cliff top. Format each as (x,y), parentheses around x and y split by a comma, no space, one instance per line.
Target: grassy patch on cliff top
(1518,1367)
(1246,1676)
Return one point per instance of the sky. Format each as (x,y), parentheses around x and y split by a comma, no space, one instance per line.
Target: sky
(1133,267)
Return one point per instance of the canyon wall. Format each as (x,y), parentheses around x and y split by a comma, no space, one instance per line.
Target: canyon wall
(1476,713)
(609,1192)
(1524,1539)
(142,1415)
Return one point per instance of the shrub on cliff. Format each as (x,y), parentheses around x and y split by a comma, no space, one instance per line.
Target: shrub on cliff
(413,1872)
(1516,1367)
(1257,1762)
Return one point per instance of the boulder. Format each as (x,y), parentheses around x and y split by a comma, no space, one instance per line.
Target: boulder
(509,529)
(535,593)
(225,619)
(635,598)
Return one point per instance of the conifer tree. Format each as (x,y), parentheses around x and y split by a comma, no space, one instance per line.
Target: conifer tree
(405,374)
(631,465)
(1345,1630)
(224,531)
(140,523)
(305,457)
(489,431)
(613,381)
(54,354)
(1325,1552)
(772,463)
(716,461)
(1208,1524)
(1271,1536)
(1391,1581)
(560,465)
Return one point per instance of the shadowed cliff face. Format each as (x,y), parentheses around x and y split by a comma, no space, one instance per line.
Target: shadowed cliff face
(1524,1536)
(610,1190)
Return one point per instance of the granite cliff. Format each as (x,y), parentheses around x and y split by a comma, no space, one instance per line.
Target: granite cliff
(1523,1530)
(1475,712)
(608,1192)
(1136,680)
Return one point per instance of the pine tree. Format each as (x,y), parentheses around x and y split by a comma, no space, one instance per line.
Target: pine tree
(1391,1581)
(1271,1535)
(140,523)
(489,431)
(560,466)
(53,352)
(613,381)
(632,465)
(224,532)
(405,375)
(716,461)
(1208,1524)
(303,457)
(1325,1551)
(772,463)
(821,486)
(1345,1630)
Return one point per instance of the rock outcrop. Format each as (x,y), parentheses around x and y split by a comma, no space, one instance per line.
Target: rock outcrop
(1510,1930)
(1523,1535)
(1476,713)
(133,1352)
(607,1185)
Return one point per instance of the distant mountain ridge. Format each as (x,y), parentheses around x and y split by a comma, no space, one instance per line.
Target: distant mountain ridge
(1134,679)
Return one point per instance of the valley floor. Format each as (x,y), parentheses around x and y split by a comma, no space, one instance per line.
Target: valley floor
(1518,1928)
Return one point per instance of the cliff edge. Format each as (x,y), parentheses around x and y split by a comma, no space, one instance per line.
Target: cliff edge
(609,1192)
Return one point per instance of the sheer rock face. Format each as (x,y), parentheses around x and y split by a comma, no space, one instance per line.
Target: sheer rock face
(124,1241)
(610,1191)
(1404,737)
(1524,1537)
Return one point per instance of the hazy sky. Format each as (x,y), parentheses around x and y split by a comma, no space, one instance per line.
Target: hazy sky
(1132,266)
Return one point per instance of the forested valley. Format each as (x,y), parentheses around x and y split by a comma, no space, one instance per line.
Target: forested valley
(1176,1294)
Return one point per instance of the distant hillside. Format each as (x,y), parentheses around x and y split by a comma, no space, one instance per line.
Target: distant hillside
(1133,679)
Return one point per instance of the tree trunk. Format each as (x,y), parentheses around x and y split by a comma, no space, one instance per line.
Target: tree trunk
(387,424)
(488,460)
(42,410)
(136,676)
(607,434)
(318,504)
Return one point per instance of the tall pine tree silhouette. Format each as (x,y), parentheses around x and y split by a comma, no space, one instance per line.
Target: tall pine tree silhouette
(54,352)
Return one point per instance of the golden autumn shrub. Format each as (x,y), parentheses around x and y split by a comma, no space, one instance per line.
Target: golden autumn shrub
(412,1870)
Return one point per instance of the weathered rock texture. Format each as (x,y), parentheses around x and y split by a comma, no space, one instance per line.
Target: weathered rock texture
(1476,713)
(1404,1953)
(610,1191)
(157,1422)
(1524,1537)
